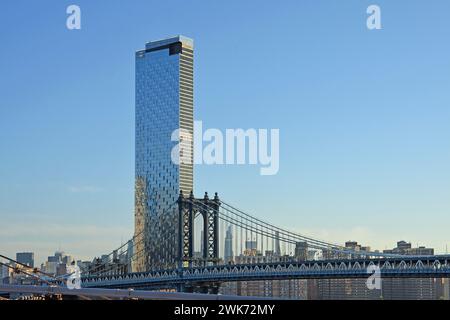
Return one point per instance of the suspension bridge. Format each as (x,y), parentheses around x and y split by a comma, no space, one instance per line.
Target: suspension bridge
(273,254)
(261,251)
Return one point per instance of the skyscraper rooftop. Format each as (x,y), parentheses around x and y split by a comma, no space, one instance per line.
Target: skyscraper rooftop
(163,42)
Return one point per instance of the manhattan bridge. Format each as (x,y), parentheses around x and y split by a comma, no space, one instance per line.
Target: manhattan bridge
(179,243)
(187,271)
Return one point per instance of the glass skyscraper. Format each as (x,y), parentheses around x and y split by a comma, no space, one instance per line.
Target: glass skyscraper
(26,258)
(164,103)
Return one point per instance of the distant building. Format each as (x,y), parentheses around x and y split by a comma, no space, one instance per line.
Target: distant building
(366,249)
(445,289)
(68,260)
(106,258)
(5,273)
(251,245)
(392,289)
(421,251)
(301,251)
(277,244)
(59,255)
(61,269)
(353,245)
(333,253)
(405,248)
(269,253)
(51,267)
(285,289)
(341,289)
(251,248)
(26,258)
(228,250)
(329,254)
(358,248)
(84,265)
(313,255)
(57,264)
(53,259)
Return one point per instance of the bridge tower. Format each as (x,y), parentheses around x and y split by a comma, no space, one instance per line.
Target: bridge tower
(188,209)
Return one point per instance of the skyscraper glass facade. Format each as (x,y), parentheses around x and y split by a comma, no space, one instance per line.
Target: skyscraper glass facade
(164,103)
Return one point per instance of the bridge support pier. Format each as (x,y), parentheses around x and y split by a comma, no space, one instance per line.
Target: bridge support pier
(188,208)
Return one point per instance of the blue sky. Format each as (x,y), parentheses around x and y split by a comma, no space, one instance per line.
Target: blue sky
(363,116)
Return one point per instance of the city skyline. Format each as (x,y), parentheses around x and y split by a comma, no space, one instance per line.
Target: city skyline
(374,170)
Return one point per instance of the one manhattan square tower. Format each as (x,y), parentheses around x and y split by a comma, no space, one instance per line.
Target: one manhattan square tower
(164,103)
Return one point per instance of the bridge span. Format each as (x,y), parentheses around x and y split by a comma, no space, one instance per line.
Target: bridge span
(401,267)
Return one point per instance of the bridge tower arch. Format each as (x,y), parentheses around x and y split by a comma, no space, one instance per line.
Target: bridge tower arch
(188,208)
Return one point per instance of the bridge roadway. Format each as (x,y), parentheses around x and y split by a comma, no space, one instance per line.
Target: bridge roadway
(400,267)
